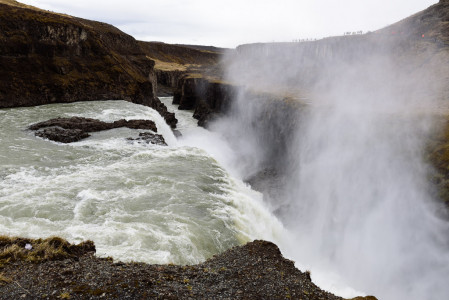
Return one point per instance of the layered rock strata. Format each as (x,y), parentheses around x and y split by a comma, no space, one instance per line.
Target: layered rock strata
(52,58)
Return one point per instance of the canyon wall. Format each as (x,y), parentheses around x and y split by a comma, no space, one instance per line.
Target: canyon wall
(51,58)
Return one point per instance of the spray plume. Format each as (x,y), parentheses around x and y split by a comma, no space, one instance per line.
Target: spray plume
(346,146)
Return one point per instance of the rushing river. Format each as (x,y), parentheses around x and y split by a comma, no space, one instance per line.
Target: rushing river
(137,202)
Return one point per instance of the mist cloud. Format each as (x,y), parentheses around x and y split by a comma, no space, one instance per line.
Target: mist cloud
(356,192)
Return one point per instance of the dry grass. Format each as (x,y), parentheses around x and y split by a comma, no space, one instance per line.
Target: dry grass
(53,248)
(195,75)
(172,66)
(65,295)
(4,279)
(167,66)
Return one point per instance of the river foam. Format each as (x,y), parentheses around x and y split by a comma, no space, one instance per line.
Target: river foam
(149,203)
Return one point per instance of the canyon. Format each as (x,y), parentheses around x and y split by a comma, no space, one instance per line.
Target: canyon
(49,58)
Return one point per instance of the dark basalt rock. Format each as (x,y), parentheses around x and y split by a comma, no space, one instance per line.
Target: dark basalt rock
(68,130)
(93,125)
(167,81)
(136,124)
(207,98)
(150,138)
(62,135)
(177,133)
(163,111)
(256,270)
(204,114)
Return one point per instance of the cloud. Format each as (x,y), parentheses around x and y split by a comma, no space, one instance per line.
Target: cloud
(232,22)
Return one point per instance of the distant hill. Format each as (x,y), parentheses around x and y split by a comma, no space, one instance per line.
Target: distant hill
(181,55)
(207,48)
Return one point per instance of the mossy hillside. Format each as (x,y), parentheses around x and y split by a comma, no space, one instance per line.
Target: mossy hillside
(180,55)
(170,66)
(49,57)
(433,23)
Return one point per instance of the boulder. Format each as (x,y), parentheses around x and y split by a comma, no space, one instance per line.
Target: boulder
(68,130)
(150,138)
(62,135)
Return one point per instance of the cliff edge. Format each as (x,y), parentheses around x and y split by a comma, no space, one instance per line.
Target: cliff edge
(53,58)
(54,269)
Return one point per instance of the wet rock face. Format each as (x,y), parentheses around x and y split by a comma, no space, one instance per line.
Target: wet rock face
(150,138)
(62,135)
(167,81)
(207,99)
(169,117)
(68,130)
(192,92)
(92,125)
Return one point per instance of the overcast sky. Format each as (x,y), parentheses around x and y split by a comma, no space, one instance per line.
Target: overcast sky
(228,23)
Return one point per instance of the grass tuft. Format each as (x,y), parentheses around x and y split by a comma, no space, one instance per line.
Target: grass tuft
(64,295)
(4,279)
(53,248)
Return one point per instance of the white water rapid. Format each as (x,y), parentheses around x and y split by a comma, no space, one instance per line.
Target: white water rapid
(137,202)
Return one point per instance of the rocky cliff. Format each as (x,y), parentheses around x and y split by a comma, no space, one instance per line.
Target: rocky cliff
(173,62)
(54,269)
(48,58)
(207,97)
(193,75)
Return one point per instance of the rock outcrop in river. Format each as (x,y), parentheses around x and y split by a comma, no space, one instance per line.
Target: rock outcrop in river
(69,130)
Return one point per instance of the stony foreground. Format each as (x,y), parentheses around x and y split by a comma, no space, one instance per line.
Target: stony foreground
(55,269)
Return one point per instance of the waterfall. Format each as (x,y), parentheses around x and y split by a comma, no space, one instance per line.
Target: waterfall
(354,189)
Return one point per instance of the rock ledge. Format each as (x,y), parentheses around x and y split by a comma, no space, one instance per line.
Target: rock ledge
(68,130)
(54,269)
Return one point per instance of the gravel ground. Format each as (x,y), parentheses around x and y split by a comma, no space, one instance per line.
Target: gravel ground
(256,270)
